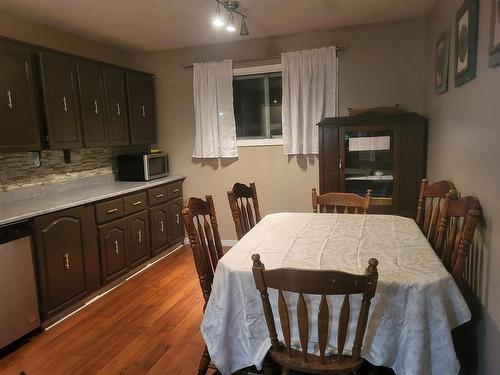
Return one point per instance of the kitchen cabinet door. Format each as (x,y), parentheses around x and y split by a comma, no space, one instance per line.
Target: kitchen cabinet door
(175,221)
(92,103)
(61,101)
(137,239)
(62,241)
(159,228)
(141,107)
(112,238)
(118,125)
(19,122)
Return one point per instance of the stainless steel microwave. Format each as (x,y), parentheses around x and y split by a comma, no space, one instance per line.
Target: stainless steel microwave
(142,167)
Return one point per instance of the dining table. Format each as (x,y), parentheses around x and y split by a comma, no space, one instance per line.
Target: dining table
(415,308)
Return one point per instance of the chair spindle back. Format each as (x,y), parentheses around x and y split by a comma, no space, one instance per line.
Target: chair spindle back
(457,224)
(244,207)
(341,203)
(322,283)
(430,203)
(201,226)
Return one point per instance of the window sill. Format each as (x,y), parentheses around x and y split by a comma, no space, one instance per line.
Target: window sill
(259,142)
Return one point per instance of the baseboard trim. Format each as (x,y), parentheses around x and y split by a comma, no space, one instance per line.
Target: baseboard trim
(229,243)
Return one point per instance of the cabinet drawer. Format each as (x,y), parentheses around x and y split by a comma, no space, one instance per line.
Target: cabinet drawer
(174,190)
(109,210)
(135,203)
(158,195)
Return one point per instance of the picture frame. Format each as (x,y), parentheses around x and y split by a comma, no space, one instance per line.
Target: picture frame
(466,30)
(442,62)
(495,34)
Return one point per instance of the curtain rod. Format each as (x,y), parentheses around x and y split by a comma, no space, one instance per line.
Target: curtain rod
(338,48)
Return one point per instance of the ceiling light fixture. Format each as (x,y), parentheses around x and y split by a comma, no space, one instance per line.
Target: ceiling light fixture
(231,6)
(244,28)
(230,23)
(217,21)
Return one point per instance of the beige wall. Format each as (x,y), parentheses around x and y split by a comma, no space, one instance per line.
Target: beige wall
(464,141)
(31,32)
(385,64)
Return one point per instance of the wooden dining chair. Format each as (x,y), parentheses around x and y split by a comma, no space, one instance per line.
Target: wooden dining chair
(430,202)
(245,214)
(203,233)
(341,202)
(322,283)
(457,224)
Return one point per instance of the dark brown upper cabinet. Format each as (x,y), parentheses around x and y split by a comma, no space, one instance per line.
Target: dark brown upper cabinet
(93,103)
(141,106)
(60,94)
(19,125)
(116,98)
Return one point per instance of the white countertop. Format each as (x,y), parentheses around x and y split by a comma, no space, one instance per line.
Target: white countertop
(39,203)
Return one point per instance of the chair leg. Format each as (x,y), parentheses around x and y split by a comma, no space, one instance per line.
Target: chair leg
(267,368)
(204,362)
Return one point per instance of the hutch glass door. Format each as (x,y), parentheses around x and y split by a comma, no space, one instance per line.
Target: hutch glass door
(367,161)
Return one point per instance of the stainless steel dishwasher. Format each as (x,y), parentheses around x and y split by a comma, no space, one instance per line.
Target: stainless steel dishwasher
(18,296)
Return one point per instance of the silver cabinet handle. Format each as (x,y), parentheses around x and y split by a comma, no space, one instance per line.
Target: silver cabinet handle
(66,261)
(175,190)
(340,163)
(162,227)
(136,203)
(112,211)
(177,218)
(96,109)
(139,236)
(9,97)
(143,111)
(117,250)
(65,104)
(118,108)
(158,196)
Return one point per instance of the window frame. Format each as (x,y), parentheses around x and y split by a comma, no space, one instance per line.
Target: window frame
(255,70)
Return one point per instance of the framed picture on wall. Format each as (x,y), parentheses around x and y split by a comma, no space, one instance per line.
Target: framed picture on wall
(442,62)
(466,25)
(495,33)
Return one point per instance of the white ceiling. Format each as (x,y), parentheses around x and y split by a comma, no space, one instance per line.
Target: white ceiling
(147,25)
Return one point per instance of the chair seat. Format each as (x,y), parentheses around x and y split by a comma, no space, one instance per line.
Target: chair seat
(313,364)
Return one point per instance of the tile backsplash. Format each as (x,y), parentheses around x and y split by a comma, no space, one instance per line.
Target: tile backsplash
(18,170)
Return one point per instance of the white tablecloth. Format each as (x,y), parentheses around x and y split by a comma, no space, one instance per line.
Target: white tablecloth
(416,306)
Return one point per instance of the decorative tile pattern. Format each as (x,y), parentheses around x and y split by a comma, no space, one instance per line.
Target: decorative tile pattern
(18,170)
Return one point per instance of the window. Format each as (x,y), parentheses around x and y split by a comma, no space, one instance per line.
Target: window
(257,105)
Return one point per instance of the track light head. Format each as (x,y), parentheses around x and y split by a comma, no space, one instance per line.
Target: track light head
(243,28)
(230,23)
(217,21)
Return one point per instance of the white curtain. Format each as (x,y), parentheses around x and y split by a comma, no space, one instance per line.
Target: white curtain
(309,95)
(215,128)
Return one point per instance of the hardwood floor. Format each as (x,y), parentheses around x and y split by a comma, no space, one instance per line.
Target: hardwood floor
(148,325)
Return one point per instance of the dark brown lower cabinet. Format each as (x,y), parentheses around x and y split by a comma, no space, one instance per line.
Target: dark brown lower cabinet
(175,221)
(112,238)
(137,239)
(67,258)
(75,257)
(159,228)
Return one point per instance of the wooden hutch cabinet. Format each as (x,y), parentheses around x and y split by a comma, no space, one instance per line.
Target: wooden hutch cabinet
(384,153)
